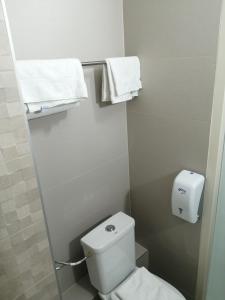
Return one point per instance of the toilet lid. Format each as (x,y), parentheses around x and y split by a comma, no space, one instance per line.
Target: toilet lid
(143,285)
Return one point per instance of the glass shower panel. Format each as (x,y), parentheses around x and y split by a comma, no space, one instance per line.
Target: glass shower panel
(216,280)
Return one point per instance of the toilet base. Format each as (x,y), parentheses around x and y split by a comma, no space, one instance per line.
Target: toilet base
(143,285)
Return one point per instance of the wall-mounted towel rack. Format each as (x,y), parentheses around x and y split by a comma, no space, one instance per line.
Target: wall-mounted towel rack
(93,63)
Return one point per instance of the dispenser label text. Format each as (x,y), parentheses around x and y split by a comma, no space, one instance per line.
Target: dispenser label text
(182,191)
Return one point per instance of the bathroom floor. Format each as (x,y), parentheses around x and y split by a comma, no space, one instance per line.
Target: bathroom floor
(81,290)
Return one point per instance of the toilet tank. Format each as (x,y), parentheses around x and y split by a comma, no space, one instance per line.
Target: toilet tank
(110,248)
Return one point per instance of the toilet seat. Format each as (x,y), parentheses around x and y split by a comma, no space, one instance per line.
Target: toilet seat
(143,285)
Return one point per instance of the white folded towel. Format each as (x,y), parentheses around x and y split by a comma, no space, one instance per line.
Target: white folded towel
(121,79)
(49,83)
(142,285)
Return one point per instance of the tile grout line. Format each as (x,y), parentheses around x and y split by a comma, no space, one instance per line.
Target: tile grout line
(123,154)
(22,230)
(39,281)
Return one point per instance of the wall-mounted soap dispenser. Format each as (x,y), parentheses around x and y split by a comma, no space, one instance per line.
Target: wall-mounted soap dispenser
(186,195)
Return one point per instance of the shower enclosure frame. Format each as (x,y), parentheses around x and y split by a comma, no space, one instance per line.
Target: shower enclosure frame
(214,165)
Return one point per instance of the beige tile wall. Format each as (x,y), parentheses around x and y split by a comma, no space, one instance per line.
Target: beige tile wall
(26,270)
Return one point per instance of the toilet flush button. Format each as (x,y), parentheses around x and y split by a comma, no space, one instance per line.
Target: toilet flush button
(110,228)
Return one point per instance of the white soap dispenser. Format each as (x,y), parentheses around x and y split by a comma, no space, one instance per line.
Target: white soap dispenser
(186,195)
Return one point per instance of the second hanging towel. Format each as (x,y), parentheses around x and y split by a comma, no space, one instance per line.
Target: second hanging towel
(121,79)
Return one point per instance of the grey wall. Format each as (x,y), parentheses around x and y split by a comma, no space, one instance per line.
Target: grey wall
(81,155)
(55,28)
(168,125)
(26,270)
(216,288)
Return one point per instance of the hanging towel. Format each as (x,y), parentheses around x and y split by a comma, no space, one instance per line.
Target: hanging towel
(46,84)
(121,79)
(143,285)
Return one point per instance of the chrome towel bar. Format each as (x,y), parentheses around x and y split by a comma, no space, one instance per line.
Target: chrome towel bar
(93,63)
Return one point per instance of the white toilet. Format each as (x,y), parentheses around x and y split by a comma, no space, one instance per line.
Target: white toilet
(110,252)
